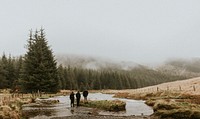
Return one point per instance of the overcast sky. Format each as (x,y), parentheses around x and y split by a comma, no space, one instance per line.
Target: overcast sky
(142,31)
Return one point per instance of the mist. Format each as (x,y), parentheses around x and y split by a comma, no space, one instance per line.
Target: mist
(145,32)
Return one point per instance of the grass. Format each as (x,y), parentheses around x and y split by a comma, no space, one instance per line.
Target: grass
(10,105)
(108,105)
(169,104)
(12,110)
(179,114)
(175,106)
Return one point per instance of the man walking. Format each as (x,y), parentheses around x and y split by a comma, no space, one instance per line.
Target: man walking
(78,97)
(72,98)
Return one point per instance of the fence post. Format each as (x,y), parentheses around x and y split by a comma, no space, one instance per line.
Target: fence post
(194,88)
(180,88)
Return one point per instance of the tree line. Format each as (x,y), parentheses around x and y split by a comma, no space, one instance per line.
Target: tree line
(38,70)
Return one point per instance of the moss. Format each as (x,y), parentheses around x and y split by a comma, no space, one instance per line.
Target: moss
(108,105)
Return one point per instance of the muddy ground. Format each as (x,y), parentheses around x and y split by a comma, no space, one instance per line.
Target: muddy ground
(103,117)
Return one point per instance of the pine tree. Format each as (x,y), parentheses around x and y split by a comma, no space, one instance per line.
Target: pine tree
(39,70)
(3,80)
(4,72)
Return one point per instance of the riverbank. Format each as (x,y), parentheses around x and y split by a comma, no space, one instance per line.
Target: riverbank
(175,100)
(11,104)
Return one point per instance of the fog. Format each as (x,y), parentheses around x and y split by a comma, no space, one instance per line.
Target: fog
(142,31)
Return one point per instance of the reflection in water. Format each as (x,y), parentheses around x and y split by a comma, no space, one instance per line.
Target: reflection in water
(38,112)
(133,107)
(72,110)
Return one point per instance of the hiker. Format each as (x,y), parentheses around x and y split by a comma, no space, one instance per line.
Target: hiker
(78,97)
(85,94)
(72,98)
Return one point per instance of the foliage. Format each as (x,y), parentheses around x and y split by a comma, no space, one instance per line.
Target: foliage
(39,67)
(108,105)
(74,77)
(9,71)
(79,78)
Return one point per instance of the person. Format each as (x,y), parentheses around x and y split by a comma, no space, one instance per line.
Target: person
(78,97)
(72,98)
(85,94)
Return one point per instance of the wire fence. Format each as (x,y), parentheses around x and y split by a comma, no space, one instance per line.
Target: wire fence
(185,88)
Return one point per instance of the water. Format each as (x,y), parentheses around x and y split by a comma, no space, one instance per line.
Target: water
(133,107)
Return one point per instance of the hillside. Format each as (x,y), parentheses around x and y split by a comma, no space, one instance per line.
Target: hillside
(88,62)
(186,67)
(178,67)
(98,73)
(189,86)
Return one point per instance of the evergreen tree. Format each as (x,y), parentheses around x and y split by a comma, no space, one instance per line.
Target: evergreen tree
(4,72)
(3,79)
(39,69)
(11,72)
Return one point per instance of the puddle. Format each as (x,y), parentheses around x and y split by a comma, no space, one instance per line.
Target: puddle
(133,107)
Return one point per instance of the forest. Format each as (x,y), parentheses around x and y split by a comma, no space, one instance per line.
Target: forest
(11,70)
(38,70)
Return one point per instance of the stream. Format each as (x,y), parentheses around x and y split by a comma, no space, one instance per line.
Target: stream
(133,107)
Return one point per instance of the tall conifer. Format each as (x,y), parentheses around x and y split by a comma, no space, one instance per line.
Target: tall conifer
(39,70)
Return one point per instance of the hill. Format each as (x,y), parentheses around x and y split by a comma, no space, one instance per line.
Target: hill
(186,67)
(188,86)
(96,63)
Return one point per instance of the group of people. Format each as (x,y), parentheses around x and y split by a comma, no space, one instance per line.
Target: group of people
(78,97)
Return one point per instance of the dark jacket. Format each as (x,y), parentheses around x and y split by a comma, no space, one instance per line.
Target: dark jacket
(85,93)
(71,96)
(78,95)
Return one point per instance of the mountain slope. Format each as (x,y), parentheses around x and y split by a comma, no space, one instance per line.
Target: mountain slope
(88,62)
(189,86)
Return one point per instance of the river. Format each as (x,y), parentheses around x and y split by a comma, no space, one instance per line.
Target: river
(133,107)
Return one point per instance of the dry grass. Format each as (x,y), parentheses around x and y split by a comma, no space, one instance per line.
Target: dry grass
(108,105)
(11,104)
(176,100)
(189,86)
